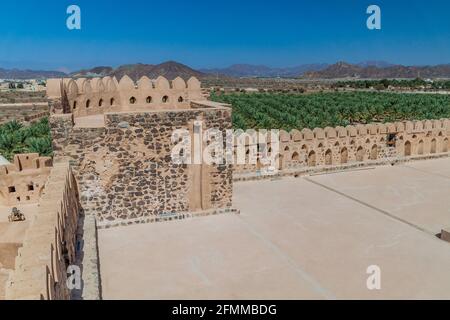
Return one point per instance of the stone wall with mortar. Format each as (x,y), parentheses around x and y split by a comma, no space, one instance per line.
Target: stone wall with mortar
(125,170)
(50,242)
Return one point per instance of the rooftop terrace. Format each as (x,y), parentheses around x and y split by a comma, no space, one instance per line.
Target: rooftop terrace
(304,238)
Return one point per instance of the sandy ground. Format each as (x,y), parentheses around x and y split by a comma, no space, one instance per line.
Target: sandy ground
(12,236)
(305,238)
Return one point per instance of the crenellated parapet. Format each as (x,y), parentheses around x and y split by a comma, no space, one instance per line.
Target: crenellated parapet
(22,181)
(49,246)
(360,143)
(84,97)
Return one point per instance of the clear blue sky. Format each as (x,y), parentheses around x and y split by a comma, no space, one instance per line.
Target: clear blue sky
(33,34)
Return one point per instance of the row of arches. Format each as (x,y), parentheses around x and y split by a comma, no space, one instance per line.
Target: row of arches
(132,100)
(363,130)
(329,157)
(360,154)
(88,103)
(84,96)
(75,87)
(420,148)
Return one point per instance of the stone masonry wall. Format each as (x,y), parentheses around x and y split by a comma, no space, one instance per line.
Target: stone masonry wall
(125,170)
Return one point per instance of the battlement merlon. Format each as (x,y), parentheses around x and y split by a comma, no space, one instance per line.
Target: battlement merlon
(26,162)
(85,97)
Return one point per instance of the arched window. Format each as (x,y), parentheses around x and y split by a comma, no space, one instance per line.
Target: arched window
(374,153)
(420,148)
(111,102)
(149,99)
(100,102)
(165,99)
(180,99)
(312,159)
(295,156)
(433,146)
(328,158)
(132,100)
(286,149)
(445,145)
(344,156)
(88,103)
(407,149)
(360,154)
(74,105)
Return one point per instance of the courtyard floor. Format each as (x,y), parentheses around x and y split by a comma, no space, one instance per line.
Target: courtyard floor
(12,236)
(297,238)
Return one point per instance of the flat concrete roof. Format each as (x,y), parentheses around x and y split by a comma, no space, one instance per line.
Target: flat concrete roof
(305,238)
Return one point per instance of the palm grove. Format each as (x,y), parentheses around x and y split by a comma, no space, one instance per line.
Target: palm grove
(272,111)
(16,138)
(319,110)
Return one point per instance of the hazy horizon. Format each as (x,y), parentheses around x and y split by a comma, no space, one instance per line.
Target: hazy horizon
(17,65)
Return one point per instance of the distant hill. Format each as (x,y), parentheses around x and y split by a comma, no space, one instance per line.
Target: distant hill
(169,69)
(375,63)
(248,71)
(172,69)
(94,72)
(29,74)
(347,70)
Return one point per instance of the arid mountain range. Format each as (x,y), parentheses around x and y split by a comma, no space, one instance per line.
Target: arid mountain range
(346,70)
(172,69)
(248,70)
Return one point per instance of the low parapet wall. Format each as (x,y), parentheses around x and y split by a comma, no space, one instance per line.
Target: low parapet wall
(325,148)
(50,242)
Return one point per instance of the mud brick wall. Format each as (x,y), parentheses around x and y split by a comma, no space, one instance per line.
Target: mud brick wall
(125,170)
(50,242)
(361,144)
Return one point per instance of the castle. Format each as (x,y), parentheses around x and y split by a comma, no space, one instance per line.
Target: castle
(112,167)
(117,136)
